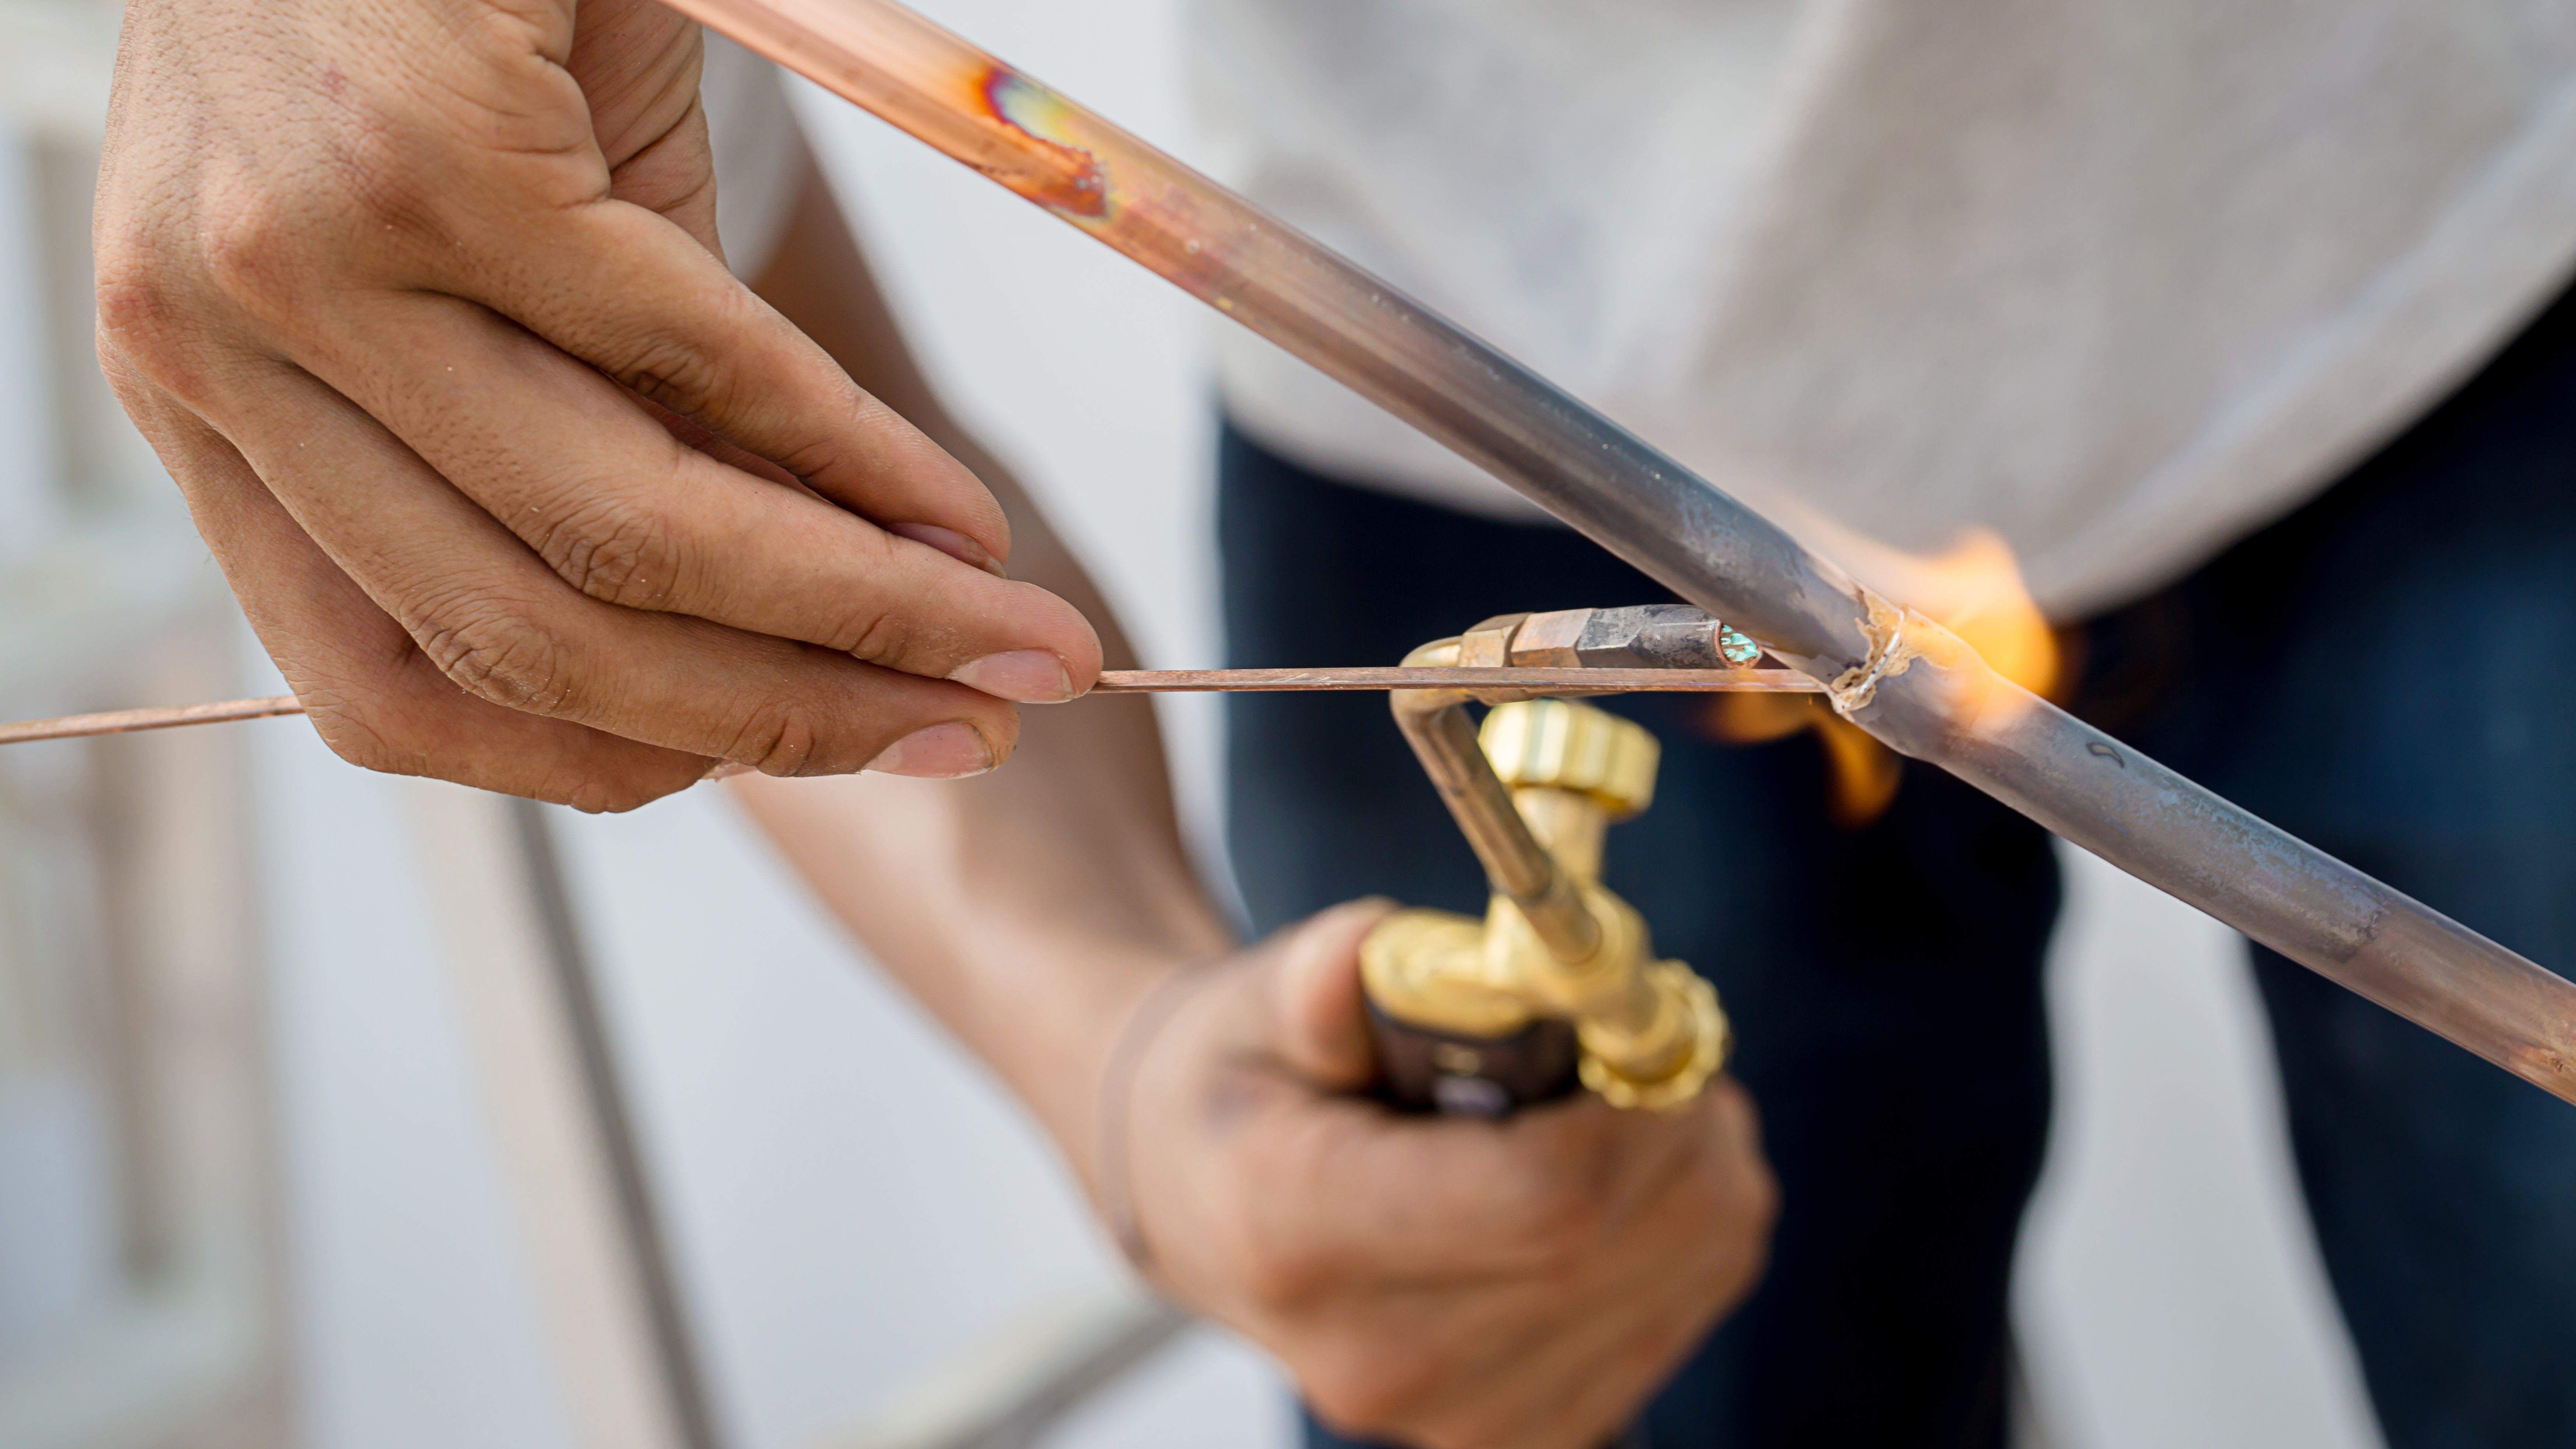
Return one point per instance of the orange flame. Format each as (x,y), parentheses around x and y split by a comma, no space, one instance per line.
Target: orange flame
(1975,590)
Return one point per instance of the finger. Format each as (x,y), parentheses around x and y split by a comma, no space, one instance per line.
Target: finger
(1596,1396)
(1342,1190)
(1511,1360)
(1673,1261)
(493,618)
(628,515)
(677,327)
(1737,1125)
(367,689)
(1569,1359)
(1320,1024)
(1426,1371)
(652,132)
(696,435)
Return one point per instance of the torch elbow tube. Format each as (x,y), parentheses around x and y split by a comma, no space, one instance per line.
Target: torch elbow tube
(1435,724)
(1938,704)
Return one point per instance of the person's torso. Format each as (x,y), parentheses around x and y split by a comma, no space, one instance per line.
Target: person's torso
(2119,282)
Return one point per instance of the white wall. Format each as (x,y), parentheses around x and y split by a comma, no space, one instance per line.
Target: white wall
(29,500)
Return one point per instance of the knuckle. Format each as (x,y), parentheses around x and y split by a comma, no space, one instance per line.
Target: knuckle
(679,377)
(494,648)
(388,175)
(615,550)
(891,438)
(381,197)
(1283,1267)
(877,634)
(356,734)
(1001,730)
(255,247)
(1734,1180)
(1565,1223)
(1753,1191)
(1725,1223)
(593,795)
(138,307)
(1280,1277)
(1564,1196)
(777,737)
(147,334)
(373,737)
(129,378)
(1371,1389)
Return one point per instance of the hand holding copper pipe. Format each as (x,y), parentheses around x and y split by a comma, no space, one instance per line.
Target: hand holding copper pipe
(422,305)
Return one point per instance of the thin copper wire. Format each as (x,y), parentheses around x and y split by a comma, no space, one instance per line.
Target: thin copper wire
(128,721)
(1587,681)
(1112,681)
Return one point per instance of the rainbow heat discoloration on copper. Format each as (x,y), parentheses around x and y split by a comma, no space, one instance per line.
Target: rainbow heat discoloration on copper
(1042,116)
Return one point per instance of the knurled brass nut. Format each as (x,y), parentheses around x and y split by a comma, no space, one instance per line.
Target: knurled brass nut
(1570,746)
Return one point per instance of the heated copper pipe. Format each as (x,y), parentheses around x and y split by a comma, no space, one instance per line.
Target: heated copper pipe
(1895,673)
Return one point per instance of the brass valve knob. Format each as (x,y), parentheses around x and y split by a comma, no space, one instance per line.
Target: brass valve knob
(1561,745)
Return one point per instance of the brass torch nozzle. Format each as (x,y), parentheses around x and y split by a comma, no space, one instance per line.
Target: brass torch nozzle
(1535,791)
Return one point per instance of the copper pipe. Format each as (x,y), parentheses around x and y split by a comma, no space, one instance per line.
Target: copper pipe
(1894,673)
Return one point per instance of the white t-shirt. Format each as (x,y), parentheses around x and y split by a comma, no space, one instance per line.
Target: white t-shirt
(2119,281)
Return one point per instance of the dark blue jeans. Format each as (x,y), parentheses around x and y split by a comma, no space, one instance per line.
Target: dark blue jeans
(2386,673)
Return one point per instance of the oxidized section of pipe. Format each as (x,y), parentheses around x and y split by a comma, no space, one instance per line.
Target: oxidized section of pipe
(1895,674)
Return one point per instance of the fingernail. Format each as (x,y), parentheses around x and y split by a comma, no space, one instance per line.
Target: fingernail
(1023,676)
(950,542)
(725,770)
(948,751)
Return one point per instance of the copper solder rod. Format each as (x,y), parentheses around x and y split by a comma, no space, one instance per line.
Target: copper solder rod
(129,721)
(1893,672)
(1112,681)
(1553,680)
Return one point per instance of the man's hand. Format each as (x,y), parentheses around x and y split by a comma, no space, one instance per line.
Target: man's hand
(1454,1284)
(388,283)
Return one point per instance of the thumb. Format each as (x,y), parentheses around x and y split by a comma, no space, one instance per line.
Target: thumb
(1319,1027)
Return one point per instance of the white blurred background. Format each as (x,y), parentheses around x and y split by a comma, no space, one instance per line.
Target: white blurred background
(855,1210)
